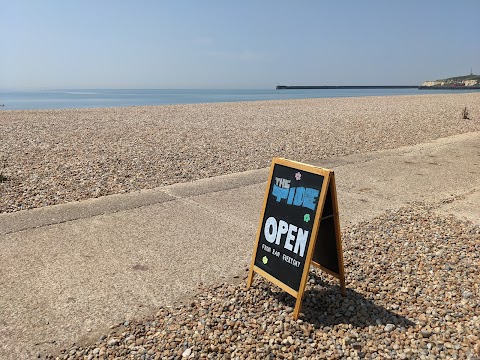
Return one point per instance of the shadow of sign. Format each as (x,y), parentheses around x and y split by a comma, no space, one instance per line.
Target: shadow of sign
(324,306)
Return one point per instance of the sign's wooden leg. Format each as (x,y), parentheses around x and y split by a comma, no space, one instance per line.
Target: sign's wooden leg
(250,278)
(298,306)
(343,289)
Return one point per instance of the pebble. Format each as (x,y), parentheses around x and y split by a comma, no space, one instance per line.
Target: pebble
(425,333)
(205,328)
(187,353)
(476,348)
(389,327)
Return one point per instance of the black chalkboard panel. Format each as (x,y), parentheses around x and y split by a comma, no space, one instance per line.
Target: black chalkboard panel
(287,224)
(325,252)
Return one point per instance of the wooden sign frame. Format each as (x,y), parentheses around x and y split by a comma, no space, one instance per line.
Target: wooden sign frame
(327,188)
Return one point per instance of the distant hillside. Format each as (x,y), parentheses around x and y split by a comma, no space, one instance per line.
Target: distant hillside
(457,81)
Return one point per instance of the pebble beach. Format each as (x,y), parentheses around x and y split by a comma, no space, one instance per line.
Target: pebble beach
(413,284)
(50,157)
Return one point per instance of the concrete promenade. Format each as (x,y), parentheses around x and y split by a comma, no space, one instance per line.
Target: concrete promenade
(68,272)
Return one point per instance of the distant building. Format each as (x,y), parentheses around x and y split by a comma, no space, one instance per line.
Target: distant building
(433,83)
(470,82)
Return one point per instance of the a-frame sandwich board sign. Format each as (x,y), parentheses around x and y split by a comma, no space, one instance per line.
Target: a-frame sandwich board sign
(299,226)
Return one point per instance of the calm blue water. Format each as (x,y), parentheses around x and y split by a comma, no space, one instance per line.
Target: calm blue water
(100,98)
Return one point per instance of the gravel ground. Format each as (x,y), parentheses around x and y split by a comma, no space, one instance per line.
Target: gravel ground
(57,156)
(413,292)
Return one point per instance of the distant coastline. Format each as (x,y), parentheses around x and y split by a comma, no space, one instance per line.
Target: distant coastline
(449,87)
(422,87)
(467,82)
(301,87)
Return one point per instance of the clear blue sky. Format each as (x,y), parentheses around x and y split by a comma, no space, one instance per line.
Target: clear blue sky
(235,44)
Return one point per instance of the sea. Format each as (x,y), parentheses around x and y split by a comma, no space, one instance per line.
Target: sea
(104,98)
